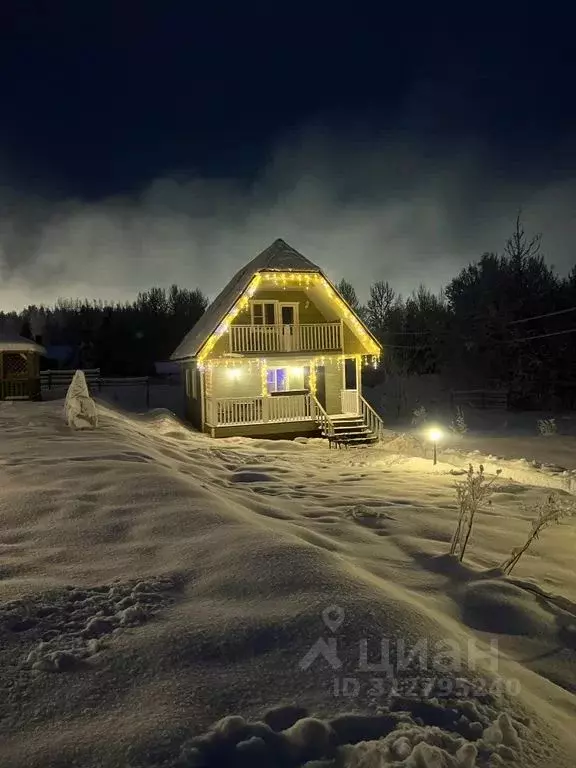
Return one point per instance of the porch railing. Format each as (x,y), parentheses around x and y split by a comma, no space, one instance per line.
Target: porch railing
(228,411)
(349,400)
(371,418)
(314,337)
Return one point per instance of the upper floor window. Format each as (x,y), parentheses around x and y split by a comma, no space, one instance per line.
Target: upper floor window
(263,312)
(274,313)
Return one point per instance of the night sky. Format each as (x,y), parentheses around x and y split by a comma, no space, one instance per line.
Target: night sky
(150,143)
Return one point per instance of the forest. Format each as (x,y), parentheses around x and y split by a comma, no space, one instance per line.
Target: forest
(505,321)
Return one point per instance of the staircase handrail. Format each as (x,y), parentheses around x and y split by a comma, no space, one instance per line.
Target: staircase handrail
(372,419)
(321,416)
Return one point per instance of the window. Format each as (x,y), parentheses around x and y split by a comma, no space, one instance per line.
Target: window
(285,379)
(277,380)
(208,382)
(191,383)
(263,313)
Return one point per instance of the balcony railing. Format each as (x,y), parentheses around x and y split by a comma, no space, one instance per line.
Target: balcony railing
(316,337)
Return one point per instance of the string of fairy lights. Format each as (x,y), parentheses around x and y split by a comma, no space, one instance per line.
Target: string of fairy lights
(250,365)
(292,279)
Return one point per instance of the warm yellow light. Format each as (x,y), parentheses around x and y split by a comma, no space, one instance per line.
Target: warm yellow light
(283,278)
(263,378)
(313,379)
(296,370)
(435,434)
(234,373)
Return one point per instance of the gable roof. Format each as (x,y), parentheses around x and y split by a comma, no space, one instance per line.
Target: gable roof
(279,256)
(14,343)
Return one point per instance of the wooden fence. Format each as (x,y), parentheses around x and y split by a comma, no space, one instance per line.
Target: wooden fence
(134,381)
(56,379)
(483,399)
(97,383)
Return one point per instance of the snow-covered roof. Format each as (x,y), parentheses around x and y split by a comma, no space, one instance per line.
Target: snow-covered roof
(279,257)
(13,343)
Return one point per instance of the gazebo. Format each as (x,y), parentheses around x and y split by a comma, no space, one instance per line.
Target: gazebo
(19,368)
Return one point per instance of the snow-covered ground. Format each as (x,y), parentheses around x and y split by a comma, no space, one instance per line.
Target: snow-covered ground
(154,581)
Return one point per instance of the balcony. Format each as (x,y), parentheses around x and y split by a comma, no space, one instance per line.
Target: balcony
(316,337)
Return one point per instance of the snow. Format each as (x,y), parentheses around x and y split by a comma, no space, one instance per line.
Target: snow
(154,581)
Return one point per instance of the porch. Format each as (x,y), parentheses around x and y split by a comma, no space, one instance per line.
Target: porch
(274,409)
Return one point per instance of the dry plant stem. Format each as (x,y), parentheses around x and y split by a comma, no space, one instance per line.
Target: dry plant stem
(549,512)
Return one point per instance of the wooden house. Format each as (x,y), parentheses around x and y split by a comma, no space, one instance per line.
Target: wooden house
(279,353)
(19,368)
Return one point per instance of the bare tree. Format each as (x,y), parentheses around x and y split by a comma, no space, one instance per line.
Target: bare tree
(382,298)
(518,248)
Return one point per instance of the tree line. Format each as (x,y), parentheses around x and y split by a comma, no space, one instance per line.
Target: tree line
(122,339)
(507,320)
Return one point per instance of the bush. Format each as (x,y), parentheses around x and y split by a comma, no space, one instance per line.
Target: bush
(547,427)
(458,424)
(419,416)
(548,512)
(471,494)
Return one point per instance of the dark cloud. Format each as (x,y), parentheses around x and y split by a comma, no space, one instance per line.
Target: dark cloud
(364,206)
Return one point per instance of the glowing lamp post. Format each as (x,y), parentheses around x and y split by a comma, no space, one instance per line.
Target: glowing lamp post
(435,434)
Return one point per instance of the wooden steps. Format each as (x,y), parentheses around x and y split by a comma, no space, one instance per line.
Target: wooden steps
(348,430)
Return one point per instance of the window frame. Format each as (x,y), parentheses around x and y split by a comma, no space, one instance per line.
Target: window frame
(277,304)
(289,387)
(191,383)
(262,303)
(296,308)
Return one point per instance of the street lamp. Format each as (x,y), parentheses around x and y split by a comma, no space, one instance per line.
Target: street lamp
(435,434)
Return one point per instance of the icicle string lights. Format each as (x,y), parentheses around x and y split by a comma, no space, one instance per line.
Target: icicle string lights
(283,279)
(252,362)
(263,378)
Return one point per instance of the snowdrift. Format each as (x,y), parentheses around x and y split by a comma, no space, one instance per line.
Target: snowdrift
(155,582)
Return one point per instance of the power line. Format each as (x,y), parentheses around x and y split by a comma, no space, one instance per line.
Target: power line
(543,335)
(538,317)
(406,346)
(479,317)
(502,341)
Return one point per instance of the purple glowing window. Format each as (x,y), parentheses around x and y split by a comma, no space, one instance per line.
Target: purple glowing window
(277,380)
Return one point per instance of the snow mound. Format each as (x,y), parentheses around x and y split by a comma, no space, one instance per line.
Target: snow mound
(495,605)
(79,407)
(474,735)
(406,443)
(520,470)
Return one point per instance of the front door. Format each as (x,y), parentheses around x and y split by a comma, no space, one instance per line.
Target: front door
(350,374)
(288,324)
(321,385)
(349,395)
